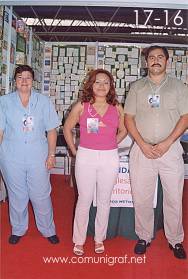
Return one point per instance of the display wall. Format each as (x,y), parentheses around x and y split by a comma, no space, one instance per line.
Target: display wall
(18,46)
(66,66)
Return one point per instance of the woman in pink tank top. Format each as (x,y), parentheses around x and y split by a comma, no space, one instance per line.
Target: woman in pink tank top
(101,120)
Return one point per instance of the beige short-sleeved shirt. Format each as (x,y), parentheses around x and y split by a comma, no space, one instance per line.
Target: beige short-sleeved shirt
(156,123)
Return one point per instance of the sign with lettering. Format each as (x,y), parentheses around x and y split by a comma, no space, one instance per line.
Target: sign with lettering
(121,194)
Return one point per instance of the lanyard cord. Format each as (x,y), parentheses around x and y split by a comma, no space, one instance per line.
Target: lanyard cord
(155,91)
(90,111)
(29,108)
(100,110)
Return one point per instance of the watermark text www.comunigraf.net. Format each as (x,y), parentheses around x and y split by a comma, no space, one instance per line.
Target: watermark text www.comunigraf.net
(109,260)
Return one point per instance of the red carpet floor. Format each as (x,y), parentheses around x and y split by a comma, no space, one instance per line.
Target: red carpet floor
(35,258)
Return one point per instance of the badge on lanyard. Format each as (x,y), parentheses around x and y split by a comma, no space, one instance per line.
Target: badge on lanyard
(154,101)
(92,125)
(28,123)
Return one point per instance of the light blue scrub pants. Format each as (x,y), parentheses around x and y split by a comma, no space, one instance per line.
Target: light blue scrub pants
(28,182)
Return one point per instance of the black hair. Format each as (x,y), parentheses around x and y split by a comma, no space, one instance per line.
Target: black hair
(149,49)
(23,68)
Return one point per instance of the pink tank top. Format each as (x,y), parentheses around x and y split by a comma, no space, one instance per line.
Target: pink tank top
(105,138)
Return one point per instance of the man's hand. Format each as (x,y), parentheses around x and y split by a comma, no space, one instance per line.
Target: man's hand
(161,148)
(149,151)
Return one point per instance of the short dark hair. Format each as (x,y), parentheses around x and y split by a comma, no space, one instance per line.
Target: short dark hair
(149,49)
(23,68)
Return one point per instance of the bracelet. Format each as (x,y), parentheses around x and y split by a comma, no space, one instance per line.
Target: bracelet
(51,155)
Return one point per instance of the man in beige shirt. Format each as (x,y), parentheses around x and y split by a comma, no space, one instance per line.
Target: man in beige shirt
(156,113)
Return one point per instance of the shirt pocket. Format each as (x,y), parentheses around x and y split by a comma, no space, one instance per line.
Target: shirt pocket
(170,102)
(142,102)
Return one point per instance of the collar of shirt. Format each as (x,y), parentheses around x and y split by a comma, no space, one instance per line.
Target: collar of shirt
(32,101)
(153,83)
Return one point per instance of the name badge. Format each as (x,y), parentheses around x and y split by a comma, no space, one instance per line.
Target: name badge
(154,101)
(92,125)
(28,123)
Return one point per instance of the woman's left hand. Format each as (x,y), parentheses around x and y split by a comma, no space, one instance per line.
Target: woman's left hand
(50,162)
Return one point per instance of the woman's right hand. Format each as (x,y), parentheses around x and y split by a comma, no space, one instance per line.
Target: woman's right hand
(73,152)
(50,162)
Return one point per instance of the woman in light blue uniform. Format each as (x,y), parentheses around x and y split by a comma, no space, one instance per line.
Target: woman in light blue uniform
(28,134)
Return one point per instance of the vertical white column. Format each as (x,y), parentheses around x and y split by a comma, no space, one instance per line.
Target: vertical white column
(7,82)
(30,47)
(96,54)
(42,81)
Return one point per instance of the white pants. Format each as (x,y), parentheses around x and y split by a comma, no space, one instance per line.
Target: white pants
(94,170)
(143,174)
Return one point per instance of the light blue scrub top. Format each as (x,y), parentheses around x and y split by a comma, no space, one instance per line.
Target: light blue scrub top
(28,147)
